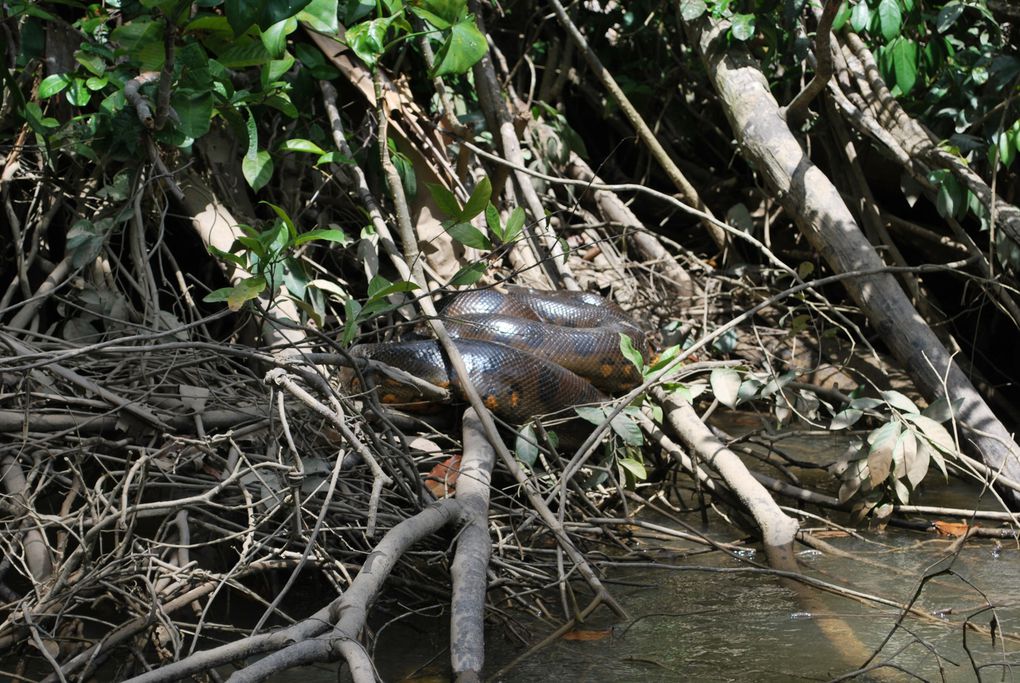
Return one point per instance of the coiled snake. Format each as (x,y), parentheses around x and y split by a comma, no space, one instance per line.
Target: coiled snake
(527,351)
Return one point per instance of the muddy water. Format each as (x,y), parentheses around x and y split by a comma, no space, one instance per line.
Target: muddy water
(706,620)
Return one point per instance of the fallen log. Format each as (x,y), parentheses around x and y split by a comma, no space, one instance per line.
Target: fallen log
(819,211)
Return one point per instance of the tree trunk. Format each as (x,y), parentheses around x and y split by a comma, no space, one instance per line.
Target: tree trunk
(815,204)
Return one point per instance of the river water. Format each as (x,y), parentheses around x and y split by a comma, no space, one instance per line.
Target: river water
(709,619)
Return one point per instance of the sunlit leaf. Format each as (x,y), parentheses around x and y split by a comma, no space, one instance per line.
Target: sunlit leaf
(692,9)
(742,26)
(890,19)
(321,15)
(514,225)
(324,234)
(464,46)
(899,401)
(257,169)
(726,386)
(934,432)
(477,201)
(635,467)
(631,353)
(301,145)
(368,39)
(916,457)
(527,445)
(51,85)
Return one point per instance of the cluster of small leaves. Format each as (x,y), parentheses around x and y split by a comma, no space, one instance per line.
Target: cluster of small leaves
(212,40)
(887,467)
(377,302)
(884,468)
(461,44)
(269,256)
(762,28)
(458,225)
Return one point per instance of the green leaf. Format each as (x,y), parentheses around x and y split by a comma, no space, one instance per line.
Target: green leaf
(324,234)
(469,274)
(368,39)
(51,85)
(947,16)
(321,15)
(84,243)
(301,145)
(725,385)
(287,221)
(899,401)
(514,225)
(477,201)
(77,94)
(880,455)
(627,429)
(450,11)
(281,102)
(492,221)
(904,56)
(242,14)
(527,445)
(352,311)
(257,169)
(244,53)
(742,26)
(916,458)
(464,46)
(941,410)
(274,38)
(841,17)
(469,235)
(749,388)
(433,19)
(860,17)
(274,69)
(255,247)
(330,287)
(194,110)
(845,418)
(142,41)
(887,431)
(664,358)
(334,158)
(235,296)
(592,414)
(630,353)
(866,403)
(227,256)
(951,198)
(635,467)
(691,9)
(935,433)
(95,64)
(445,200)
(380,288)
(890,19)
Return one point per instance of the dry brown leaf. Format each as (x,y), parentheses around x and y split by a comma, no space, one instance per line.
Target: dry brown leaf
(600,634)
(442,479)
(957,529)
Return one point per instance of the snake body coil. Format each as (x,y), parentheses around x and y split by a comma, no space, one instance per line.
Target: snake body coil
(527,352)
